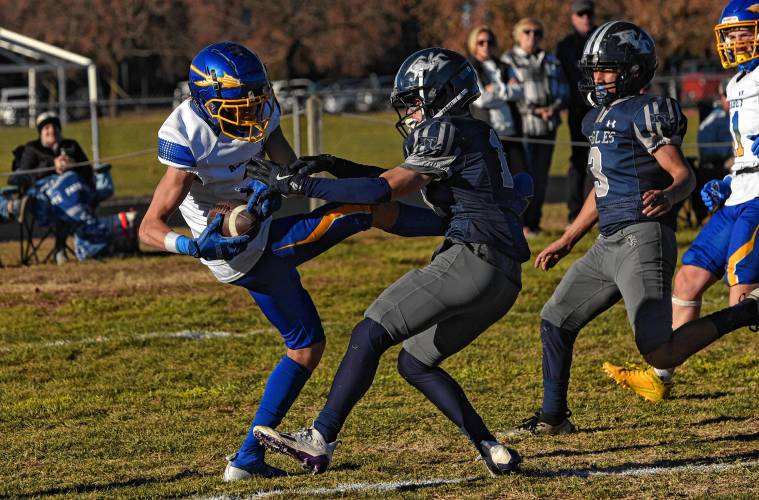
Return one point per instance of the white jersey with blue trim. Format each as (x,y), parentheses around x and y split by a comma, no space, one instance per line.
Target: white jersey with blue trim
(743,95)
(186,142)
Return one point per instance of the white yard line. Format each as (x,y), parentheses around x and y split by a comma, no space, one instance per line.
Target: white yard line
(345,488)
(182,334)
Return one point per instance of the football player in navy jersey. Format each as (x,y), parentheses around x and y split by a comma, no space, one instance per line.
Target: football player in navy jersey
(640,174)
(206,143)
(473,279)
(725,247)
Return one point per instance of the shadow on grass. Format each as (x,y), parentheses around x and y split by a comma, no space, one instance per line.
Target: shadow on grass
(712,395)
(723,418)
(104,487)
(574,453)
(641,468)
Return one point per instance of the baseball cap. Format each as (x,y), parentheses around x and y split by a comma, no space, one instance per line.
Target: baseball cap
(583,6)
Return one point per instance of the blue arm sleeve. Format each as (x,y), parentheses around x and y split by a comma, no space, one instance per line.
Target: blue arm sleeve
(362,190)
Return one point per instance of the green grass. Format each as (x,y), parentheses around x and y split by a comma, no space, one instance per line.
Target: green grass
(96,404)
(370,139)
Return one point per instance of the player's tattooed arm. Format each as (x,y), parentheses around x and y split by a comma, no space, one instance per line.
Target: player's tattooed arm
(557,250)
(657,202)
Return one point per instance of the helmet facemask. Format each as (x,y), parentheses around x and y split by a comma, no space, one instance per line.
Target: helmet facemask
(243,119)
(737,52)
(406,105)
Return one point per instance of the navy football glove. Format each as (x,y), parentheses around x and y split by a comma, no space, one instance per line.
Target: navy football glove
(278,178)
(715,192)
(211,245)
(262,201)
(338,167)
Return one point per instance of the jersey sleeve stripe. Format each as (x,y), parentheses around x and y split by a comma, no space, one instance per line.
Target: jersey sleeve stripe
(176,154)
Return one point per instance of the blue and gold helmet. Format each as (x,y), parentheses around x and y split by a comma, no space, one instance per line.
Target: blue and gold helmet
(229,84)
(737,32)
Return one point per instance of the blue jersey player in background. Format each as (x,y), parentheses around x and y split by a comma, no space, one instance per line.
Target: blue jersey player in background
(206,143)
(640,174)
(726,246)
(473,279)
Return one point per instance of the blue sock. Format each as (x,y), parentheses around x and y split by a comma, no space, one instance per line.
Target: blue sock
(417,221)
(284,384)
(557,360)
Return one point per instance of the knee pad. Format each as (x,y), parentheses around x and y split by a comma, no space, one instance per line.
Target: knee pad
(409,367)
(370,334)
(685,303)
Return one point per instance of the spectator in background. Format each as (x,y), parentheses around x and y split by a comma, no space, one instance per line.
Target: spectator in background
(545,94)
(66,194)
(499,92)
(52,151)
(714,161)
(569,51)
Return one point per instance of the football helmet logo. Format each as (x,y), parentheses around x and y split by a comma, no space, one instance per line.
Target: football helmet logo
(425,63)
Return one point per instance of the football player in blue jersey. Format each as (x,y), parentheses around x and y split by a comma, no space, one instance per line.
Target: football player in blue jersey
(640,174)
(474,277)
(726,245)
(206,143)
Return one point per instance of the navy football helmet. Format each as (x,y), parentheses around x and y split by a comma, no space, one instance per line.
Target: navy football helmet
(741,50)
(230,86)
(434,81)
(622,47)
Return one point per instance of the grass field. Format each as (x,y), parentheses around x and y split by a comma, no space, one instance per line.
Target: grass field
(368,138)
(133,378)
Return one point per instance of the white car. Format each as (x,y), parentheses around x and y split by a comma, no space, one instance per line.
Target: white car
(14,105)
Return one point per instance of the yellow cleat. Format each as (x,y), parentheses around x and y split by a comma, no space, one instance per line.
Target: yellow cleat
(645,383)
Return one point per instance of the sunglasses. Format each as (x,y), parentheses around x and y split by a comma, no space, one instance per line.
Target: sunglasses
(533,32)
(489,41)
(585,13)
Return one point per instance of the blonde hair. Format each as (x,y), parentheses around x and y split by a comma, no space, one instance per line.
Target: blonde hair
(471,43)
(524,22)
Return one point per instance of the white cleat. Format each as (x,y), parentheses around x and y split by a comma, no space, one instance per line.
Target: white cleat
(307,446)
(499,459)
(262,469)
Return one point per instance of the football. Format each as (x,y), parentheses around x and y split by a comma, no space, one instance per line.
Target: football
(237,220)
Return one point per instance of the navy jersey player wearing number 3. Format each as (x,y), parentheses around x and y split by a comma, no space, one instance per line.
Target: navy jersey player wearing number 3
(640,174)
(473,279)
(207,143)
(726,246)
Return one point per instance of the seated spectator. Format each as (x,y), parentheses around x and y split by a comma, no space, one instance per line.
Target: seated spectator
(60,189)
(714,161)
(499,92)
(545,95)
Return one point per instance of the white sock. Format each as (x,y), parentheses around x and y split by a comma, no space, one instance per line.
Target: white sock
(665,375)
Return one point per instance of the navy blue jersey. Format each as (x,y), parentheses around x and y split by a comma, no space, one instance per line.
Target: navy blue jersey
(623,138)
(472,185)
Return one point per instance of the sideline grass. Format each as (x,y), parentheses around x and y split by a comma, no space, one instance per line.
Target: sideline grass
(373,141)
(97,403)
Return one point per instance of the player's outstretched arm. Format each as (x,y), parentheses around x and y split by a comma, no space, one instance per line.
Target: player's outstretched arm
(657,202)
(557,250)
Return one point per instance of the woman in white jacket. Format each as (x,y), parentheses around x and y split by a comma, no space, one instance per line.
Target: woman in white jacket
(499,93)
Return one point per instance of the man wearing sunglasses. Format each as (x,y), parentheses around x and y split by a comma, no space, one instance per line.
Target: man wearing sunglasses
(569,51)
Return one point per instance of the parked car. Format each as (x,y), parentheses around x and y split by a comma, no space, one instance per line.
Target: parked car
(14,106)
(375,94)
(287,90)
(181,92)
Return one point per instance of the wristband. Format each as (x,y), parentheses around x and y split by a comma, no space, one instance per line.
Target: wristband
(177,243)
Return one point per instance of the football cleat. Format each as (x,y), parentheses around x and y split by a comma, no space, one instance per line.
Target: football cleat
(643,382)
(536,426)
(307,446)
(499,459)
(260,469)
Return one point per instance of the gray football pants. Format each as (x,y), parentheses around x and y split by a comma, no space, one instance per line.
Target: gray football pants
(636,264)
(439,309)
